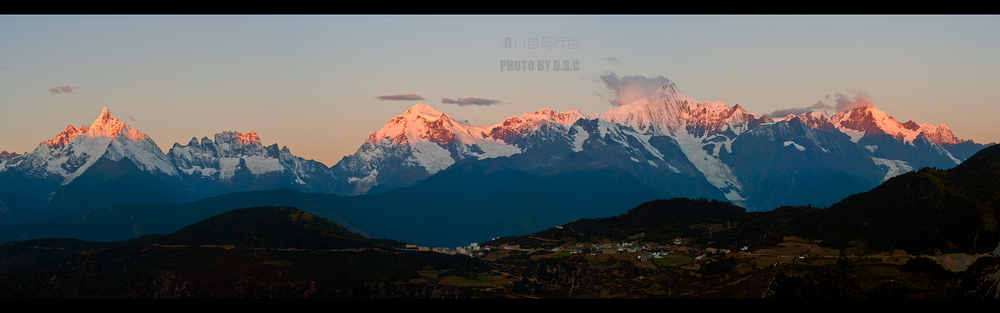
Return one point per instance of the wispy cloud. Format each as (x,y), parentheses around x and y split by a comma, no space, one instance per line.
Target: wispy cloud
(63,89)
(408,97)
(858,99)
(819,105)
(837,103)
(470,101)
(613,60)
(628,89)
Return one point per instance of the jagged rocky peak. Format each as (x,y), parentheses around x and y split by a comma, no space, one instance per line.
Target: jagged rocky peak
(249,138)
(105,118)
(939,135)
(670,112)
(572,114)
(819,115)
(815,119)
(74,150)
(204,144)
(872,120)
(5,154)
(107,125)
(911,125)
(737,114)
(235,137)
(231,144)
(869,119)
(737,109)
(565,118)
(227,144)
(65,136)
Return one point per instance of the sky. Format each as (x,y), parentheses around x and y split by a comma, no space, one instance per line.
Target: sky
(320,85)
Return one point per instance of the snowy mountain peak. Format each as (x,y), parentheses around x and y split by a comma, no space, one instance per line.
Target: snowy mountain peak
(669,112)
(657,114)
(108,126)
(422,110)
(419,123)
(105,115)
(671,96)
(74,150)
(106,123)
(65,136)
(870,120)
(940,134)
(668,91)
(873,120)
(737,108)
(421,139)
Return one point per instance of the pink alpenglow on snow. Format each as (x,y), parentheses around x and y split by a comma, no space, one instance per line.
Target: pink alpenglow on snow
(65,136)
(872,120)
(248,138)
(108,126)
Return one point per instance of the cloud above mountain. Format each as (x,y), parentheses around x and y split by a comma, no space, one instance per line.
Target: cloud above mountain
(63,89)
(407,97)
(837,103)
(470,101)
(628,89)
(859,99)
(819,105)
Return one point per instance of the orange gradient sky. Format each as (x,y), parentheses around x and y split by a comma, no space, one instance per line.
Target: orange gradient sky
(322,84)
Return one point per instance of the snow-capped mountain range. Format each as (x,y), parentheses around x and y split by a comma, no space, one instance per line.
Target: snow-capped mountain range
(239,162)
(109,151)
(718,151)
(668,141)
(74,150)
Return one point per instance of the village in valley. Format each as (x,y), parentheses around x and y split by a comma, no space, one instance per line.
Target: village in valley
(679,252)
(683,267)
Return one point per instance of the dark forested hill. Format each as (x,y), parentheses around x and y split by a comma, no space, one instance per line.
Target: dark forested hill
(266,252)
